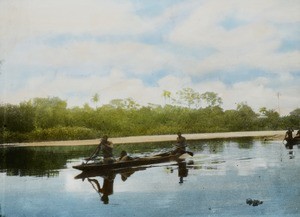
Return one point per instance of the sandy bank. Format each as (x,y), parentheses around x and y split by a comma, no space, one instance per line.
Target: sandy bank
(271,135)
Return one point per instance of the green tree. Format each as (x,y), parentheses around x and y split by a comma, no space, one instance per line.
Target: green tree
(212,99)
(166,95)
(293,120)
(127,103)
(188,97)
(95,99)
(246,116)
(49,112)
(270,119)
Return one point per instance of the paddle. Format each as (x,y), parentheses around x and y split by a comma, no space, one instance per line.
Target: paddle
(93,155)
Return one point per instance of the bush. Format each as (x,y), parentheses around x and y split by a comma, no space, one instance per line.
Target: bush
(63,133)
(51,134)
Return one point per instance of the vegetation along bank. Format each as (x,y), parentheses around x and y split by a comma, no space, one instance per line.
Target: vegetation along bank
(50,119)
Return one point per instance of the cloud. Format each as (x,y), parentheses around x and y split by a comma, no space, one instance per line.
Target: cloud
(27,19)
(254,42)
(74,49)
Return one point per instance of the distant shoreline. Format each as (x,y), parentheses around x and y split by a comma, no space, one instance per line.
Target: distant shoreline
(269,135)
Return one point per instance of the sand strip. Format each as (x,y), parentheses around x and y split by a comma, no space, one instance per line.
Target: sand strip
(271,135)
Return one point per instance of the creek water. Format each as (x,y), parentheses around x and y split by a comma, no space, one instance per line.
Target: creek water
(216,181)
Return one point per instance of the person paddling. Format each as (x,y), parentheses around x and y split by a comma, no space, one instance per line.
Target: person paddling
(181,144)
(107,150)
(289,135)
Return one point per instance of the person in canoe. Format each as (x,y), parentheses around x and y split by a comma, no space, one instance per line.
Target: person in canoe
(180,144)
(107,150)
(289,135)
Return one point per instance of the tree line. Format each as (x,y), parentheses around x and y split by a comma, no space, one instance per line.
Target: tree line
(49,119)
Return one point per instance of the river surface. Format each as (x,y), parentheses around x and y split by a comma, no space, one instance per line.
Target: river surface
(216,181)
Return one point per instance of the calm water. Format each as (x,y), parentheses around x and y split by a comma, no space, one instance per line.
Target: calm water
(215,182)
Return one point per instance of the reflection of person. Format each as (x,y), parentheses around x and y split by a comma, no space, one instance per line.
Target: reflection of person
(182,171)
(124,176)
(181,144)
(107,150)
(107,187)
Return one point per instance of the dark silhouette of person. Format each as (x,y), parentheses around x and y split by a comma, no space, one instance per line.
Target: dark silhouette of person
(289,135)
(107,150)
(126,175)
(289,138)
(180,144)
(107,187)
(124,156)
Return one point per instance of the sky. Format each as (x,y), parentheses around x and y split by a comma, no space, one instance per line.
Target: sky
(245,51)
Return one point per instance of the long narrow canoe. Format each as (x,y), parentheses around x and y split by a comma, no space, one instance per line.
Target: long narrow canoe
(156,159)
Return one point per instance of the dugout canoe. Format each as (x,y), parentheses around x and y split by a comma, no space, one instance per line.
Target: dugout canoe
(156,159)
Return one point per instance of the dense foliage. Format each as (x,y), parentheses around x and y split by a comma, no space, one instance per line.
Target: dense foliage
(42,119)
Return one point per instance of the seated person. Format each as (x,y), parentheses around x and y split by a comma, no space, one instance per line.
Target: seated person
(124,156)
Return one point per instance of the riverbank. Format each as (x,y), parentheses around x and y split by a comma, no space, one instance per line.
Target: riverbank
(266,135)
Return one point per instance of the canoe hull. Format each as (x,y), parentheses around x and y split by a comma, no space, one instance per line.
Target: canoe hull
(130,163)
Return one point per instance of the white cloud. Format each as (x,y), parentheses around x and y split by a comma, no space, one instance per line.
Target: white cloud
(23,20)
(254,44)
(85,65)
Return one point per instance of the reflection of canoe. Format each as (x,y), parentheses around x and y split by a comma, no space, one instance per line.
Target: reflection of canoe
(156,159)
(104,173)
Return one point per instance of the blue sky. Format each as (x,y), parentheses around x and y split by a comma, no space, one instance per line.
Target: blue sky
(246,51)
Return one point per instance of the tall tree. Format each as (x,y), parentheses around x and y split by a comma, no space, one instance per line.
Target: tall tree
(127,103)
(95,99)
(212,99)
(49,112)
(166,95)
(188,97)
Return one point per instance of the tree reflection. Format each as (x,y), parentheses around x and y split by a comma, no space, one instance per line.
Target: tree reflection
(36,161)
(245,143)
(47,161)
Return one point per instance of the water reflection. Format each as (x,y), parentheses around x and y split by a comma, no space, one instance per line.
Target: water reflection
(107,187)
(103,181)
(48,161)
(37,161)
(291,155)
(182,171)
(215,182)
